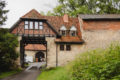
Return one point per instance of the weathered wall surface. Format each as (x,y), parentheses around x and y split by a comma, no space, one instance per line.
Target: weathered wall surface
(99,33)
(18,50)
(99,38)
(51,55)
(66,56)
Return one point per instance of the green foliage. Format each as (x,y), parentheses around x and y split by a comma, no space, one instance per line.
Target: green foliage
(8,54)
(3,12)
(58,73)
(98,65)
(6,74)
(75,7)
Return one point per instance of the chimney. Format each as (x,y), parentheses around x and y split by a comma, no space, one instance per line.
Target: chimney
(65,18)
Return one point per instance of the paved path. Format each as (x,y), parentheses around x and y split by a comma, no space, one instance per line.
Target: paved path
(29,74)
(25,75)
(36,64)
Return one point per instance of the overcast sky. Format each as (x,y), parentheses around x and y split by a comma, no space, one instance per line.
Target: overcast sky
(20,7)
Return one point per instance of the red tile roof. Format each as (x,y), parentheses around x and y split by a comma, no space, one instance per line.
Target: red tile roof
(69,39)
(35,47)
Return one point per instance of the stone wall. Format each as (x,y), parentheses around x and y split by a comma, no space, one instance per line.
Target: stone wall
(66,56)
(18,50)
(99,38)
(51,55)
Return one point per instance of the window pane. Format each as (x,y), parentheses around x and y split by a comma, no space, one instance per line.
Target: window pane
(41,27)
(31,25)
(36,25)
(26,22)
(26,26)
(40,23)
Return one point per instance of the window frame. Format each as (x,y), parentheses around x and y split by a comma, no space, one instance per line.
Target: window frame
(31,25)
(26,24)
(36,28)
(41,25)
(62,32)
(71,33)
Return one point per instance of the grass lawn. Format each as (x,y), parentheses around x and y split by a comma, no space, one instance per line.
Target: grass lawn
(9,73)
(58,73)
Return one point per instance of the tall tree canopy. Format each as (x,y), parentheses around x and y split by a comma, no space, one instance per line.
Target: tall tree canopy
(3,12)
(75,7)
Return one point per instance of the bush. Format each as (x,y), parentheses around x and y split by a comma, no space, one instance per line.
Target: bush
(8,54)
(97,65)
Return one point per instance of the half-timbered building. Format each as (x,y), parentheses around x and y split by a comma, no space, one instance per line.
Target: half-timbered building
(52,39)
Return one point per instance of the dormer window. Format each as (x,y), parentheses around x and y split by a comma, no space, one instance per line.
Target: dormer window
(63,30)
(73,31)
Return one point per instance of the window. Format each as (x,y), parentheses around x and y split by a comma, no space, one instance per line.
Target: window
(73,33)
(36,25)
(31,25)
(68,47)
(63,33)
(61,47)
(40,25)
(63,30)
(26,24)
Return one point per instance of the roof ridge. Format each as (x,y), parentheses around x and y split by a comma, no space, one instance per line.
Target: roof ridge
(33,10)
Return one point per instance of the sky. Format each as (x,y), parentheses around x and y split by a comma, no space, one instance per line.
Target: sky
(18,8)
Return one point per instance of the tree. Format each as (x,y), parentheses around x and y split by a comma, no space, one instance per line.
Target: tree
(75,7)
(8,54)
(3,12)
(8,43)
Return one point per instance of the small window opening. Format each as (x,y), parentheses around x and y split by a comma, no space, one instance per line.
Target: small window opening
(68,47)
(61,47)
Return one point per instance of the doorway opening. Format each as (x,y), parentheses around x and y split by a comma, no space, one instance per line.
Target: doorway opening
(40,57)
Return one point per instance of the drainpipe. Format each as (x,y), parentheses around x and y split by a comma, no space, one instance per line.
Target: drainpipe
(56,55)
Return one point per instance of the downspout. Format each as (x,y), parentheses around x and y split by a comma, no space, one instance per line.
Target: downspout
(56,55)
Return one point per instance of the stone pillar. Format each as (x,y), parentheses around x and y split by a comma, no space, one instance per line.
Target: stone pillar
(51,55)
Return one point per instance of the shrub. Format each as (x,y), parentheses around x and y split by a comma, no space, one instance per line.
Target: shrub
(97,65)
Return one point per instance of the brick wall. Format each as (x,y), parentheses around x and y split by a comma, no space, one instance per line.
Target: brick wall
(101,25)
